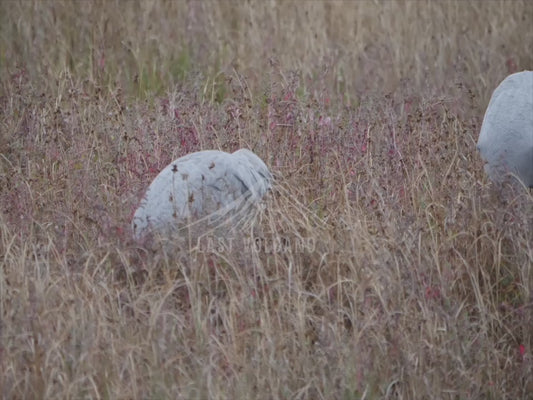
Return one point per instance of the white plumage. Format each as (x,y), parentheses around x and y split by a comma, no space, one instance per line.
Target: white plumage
(506,136)
(207,188)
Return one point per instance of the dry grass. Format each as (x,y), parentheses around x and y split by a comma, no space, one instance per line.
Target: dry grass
(384,266)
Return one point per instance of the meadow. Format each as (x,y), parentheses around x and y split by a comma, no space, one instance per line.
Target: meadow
(384,264)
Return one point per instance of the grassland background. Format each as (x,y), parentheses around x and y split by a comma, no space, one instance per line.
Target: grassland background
(417,282)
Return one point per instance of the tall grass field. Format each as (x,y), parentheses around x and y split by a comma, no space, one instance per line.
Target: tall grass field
(384,264)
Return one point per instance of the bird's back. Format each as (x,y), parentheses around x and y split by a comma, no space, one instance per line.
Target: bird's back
(208,185)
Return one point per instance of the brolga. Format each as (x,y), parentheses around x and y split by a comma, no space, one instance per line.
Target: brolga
(506,137)
(208,189)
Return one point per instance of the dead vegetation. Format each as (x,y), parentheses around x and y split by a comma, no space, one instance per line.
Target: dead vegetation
(385,264)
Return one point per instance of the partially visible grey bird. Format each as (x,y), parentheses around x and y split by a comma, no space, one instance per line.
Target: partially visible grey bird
(506,136)
(208,188)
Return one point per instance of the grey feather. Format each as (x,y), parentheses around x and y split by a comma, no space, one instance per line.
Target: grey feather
(207,185)
(506,137)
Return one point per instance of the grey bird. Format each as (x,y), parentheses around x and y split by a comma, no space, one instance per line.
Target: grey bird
(208,188)
(506,137)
